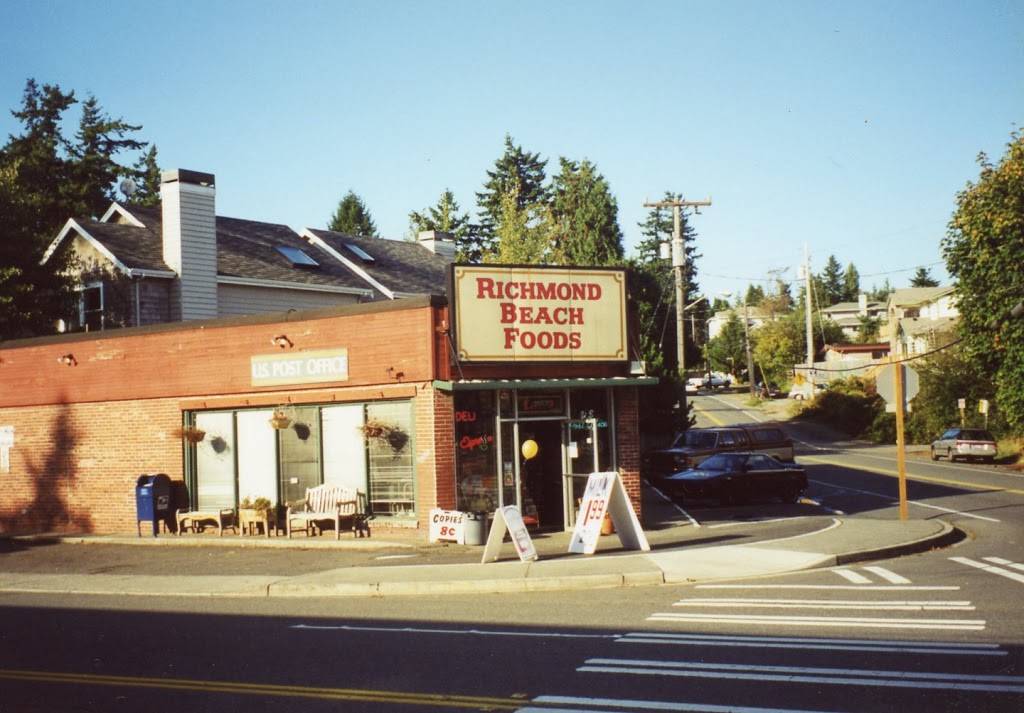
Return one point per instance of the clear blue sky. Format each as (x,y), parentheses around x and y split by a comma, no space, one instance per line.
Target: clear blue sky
(848,126)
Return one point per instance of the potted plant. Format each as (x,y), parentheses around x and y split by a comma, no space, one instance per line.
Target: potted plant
(389,433)
(255,512)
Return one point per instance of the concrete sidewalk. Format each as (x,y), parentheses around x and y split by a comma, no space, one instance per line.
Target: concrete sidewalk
(681,553)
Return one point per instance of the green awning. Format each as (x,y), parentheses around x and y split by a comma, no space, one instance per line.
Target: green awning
(496,384)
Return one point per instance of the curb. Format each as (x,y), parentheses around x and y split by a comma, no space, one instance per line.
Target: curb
(949,535)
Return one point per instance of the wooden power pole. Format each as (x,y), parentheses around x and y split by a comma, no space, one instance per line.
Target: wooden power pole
(678,263)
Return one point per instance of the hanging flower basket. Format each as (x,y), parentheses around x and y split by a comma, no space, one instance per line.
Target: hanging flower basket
(192,434)
(388,433)
(280,420)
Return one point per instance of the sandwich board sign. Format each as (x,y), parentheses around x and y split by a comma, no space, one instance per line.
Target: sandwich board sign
(509,519)
(447,525)
(606,494)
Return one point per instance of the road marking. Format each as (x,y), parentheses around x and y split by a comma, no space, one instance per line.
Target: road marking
(265,689)
(893,605)
(450,632)
(936,464)
(1004,562)
(810,674)
(844,621)
(888,575)
(852,576)
(816,644)
(858,587)
(620,703)
(990,568)
(672,502)
(629,704)
(893,502)
(912,476)
(757,522)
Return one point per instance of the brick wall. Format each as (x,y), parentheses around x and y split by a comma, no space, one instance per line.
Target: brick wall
(627,442)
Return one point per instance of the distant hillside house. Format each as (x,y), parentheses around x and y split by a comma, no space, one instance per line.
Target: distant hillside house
(848,315)
(921,319)
(756,316)
(180,261)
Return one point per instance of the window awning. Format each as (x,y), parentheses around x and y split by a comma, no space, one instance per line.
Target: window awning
(582,383)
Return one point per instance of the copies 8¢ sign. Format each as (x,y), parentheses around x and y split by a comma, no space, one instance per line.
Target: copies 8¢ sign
(447,526)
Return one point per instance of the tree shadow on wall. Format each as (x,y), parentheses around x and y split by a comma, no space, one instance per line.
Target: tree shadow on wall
(53,476)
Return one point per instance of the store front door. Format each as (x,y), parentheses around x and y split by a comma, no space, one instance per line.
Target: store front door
(541,475)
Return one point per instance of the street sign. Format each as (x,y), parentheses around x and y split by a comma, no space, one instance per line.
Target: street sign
(884,382)
(983,406)
(961,404)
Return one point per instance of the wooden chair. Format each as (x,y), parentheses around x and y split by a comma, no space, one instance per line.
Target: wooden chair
(330,503)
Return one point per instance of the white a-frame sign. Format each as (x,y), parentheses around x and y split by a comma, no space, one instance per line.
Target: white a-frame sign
(508,519)
(606,494)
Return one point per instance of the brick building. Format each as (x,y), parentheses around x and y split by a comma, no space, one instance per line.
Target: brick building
(416,401)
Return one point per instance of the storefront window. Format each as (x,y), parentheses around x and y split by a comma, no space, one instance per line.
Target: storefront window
(476,474)
(215,461)
(390,458)
(300,454)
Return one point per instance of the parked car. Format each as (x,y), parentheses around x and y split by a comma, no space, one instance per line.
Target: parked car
(691,447)
(769,391)
(711,381)
(966,443)
(800,392)
(738,478)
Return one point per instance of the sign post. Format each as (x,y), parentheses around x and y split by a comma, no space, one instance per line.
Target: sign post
(962,404)
(606,494)
(983,408)
(897,383)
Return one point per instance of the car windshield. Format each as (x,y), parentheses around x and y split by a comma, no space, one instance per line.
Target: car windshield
(722,461)
(974,434)
(696,439)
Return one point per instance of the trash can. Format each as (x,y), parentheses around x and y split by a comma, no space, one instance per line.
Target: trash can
(152,501)
(476,528)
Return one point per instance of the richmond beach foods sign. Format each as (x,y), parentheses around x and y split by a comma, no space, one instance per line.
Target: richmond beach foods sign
(539,314)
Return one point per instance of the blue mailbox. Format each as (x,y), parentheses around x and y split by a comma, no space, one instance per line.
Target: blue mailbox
(152,501)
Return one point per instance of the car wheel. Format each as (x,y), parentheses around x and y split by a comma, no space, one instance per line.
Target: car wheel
(793,496)
(935,456)
(949,455)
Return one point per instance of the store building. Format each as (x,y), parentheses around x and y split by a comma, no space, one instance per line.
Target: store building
(418,402)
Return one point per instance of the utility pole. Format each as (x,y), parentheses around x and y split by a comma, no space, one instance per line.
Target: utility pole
(808,319)
(746,339)
(678,263)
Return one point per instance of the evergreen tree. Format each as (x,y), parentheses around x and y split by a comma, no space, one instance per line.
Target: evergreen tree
(831,279)
(923,278)
(851,284)
(444,216)
(658,228)
(44,180)
(728,350)
(146,175)
(352,218)
(516,170)
(524,233)
(881,294)
(754,296)
(586,217)
(779,300)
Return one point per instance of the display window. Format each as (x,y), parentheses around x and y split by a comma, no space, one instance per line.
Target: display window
(476,448)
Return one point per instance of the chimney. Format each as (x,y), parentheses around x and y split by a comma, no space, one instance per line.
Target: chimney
(862,303)
(439,243)
(190,242)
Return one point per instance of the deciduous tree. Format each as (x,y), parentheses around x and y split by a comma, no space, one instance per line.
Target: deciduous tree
(586,216)
(983,248)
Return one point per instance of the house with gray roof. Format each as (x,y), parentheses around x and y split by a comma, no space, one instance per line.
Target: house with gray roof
(181,261)
(921,319)
(848,315)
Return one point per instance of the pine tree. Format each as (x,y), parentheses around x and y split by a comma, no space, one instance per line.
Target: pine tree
(516,170)
(755,295)
(923,278)
(586,217)
(851,284)
(831,279)
(146,175)
(352,218)
(98,141)
(445,217)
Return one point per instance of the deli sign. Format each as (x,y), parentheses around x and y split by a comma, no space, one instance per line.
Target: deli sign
(539,313)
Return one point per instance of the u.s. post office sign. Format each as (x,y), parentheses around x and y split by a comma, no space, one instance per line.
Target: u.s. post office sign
(303,368)
(539,313)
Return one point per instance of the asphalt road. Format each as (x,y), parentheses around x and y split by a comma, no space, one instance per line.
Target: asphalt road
(939,631)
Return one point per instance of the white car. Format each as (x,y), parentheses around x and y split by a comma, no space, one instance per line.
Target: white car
(801,392)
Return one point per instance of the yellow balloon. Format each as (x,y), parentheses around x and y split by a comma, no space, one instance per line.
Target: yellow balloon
(529,449)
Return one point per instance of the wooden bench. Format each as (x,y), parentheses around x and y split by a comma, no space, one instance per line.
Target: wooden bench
(342,506)
(224,517)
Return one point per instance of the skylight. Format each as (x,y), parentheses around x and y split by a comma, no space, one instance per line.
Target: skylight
(359,252)
(297,257)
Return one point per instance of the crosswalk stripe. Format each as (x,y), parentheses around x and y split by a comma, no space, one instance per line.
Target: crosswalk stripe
(852,576)
(888,575)
(814,644)
(892,605)
(1004,562)
(990,568)
(837,621)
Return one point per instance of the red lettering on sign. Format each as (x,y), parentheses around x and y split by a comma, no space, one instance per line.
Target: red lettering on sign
(465,416)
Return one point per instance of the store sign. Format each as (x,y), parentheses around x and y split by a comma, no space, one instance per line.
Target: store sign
(509,519)
(447,526)
(539,313)
(302,368)
(605,494)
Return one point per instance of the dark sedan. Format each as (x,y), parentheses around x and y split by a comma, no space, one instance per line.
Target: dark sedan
(738,478)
